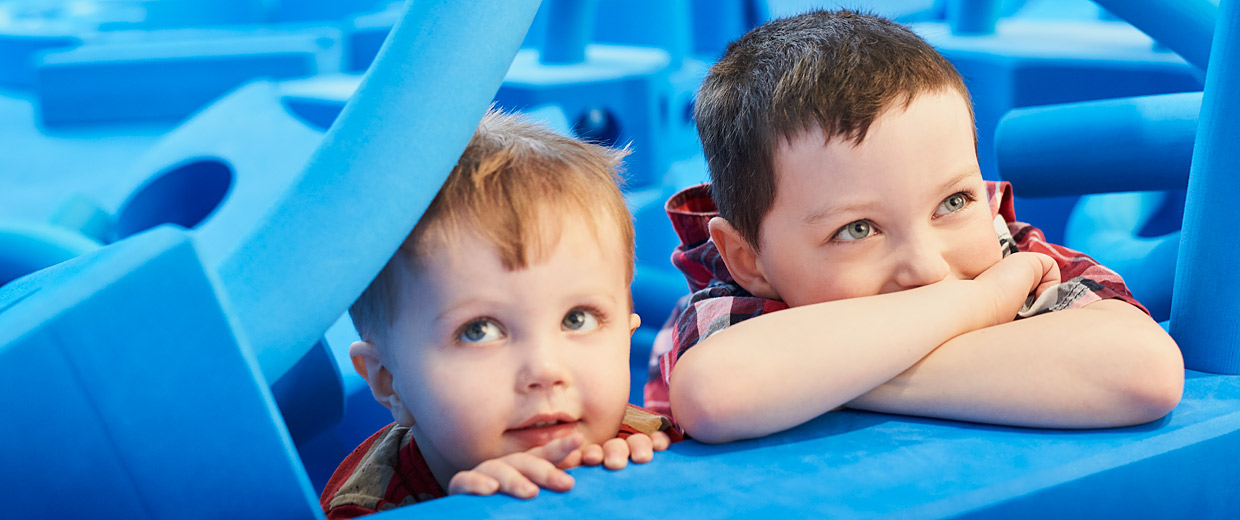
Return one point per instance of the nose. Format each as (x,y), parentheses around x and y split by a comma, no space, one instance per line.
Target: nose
(542,368)
(921,261)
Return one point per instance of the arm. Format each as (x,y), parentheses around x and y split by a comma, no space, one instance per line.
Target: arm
(818,357)
(1106,364)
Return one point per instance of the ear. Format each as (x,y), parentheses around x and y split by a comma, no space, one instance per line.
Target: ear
(741,259)
(369,363)
(635,321)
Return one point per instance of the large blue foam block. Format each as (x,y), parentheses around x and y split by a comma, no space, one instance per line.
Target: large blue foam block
(866,465)
(174,78)
(121,369)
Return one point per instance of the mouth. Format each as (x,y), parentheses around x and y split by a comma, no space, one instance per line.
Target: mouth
(543,428)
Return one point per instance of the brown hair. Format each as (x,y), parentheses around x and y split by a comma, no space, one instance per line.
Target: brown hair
(512,176)
(837,69)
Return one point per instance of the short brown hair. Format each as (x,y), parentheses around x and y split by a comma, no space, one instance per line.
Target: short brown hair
(837,69)
(511,173)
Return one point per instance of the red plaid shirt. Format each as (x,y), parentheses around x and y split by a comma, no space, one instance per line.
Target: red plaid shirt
(717,302)
(387,470)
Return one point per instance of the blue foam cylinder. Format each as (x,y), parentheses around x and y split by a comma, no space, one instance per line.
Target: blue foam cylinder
(319,245)
(1184,26)
(27,247)
(1203,309)
(1127,144)
(972,17)
(570,26)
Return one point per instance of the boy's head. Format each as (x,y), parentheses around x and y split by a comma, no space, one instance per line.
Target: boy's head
(503,321)
(832,119)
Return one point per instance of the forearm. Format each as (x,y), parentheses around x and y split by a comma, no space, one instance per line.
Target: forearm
(1100,366)
(779,370)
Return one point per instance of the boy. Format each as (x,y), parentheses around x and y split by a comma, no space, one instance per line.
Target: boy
(857,258)
(498,334)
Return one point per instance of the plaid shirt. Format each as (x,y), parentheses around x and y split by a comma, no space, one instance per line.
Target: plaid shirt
(717,302)
(387,470)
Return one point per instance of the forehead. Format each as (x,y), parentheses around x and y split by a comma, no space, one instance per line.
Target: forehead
(907,151)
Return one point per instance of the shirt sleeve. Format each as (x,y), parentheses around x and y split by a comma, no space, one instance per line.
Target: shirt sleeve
(1084,280)
(708,311)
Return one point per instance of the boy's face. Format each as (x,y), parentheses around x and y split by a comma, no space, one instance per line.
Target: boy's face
(487,361)
(906,207)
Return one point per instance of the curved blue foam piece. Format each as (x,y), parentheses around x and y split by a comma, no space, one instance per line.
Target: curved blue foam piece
(1109,228)
(1184,26)
(1127,144)
(376,171)
(29,247)
(1203,312)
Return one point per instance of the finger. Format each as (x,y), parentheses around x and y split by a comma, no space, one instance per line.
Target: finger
(641,448)
(615,454)
(539,471)
(591,455)
(660,441)
(557,450)
(472,483)
(511,481)
(571,461)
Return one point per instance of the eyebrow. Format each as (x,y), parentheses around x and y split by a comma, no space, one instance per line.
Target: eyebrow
(828,211)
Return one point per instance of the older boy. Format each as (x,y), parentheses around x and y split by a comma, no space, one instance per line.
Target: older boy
(846,195)
(498,335)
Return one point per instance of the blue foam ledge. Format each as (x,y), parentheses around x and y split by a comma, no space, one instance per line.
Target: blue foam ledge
(166,77)
(122,365)
(864,465)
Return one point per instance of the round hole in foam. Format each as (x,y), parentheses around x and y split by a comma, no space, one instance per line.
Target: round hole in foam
(185,195)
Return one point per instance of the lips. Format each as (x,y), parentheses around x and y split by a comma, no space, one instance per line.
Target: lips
(543,428)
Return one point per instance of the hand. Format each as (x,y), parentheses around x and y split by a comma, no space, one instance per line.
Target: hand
(521,474)
(616,453)
(1014,277)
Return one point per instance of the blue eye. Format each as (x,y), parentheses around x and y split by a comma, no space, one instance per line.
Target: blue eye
(855,230)
(482,330)
(579,320)
(953,203)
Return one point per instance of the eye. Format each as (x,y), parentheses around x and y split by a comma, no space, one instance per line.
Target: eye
(855,230)
(580,320)
(481,330)
(953,203)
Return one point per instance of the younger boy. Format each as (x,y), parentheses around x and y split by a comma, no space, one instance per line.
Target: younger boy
(846,195)
(498,334)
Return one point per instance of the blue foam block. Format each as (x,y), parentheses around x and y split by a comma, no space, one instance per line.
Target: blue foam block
(143,385)
(170,78)
(616,96)
(865,465)
(19,48)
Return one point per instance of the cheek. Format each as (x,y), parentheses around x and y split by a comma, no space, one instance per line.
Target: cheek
(603,383)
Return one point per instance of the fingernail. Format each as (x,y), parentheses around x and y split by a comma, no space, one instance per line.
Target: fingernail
(565,481)
(529,490)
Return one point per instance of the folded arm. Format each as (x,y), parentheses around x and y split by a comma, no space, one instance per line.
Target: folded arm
(1104,365)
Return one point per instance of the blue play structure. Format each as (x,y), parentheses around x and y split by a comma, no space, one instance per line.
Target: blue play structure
(193,192)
